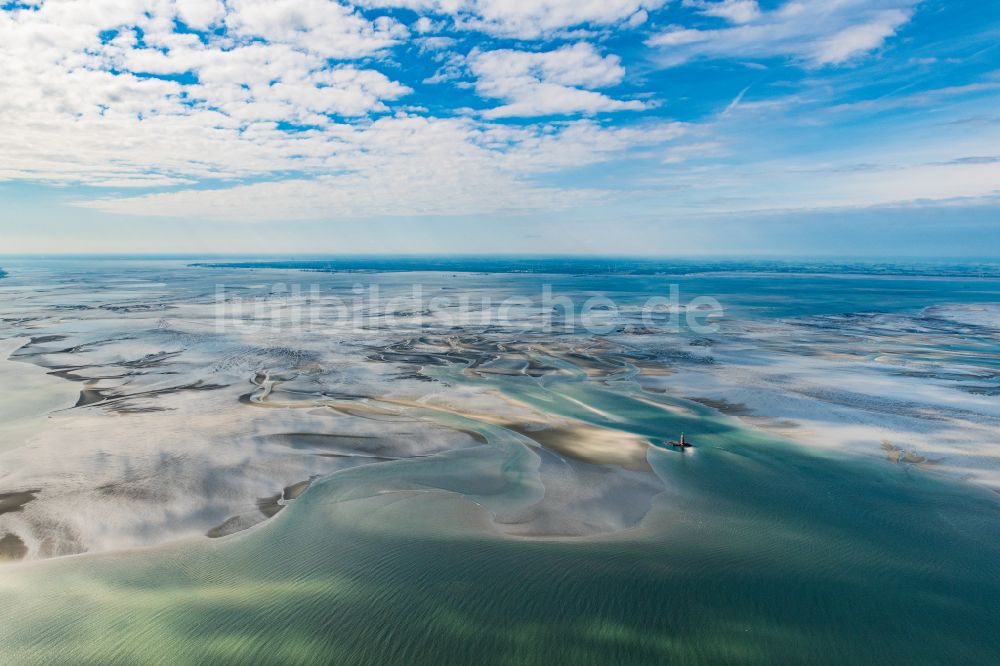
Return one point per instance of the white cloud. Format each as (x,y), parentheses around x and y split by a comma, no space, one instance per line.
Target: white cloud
(857,39)
(424,25)
(414,166)
(890,172)
(324,27)
(108,94)
(393,192)
(287,109)
(545,99)
(530,19)
(586,142)
(200,14)
(922,182)
(550,82)
(734,11)
(85,99)
(815,32)
(693,151)
(261,81)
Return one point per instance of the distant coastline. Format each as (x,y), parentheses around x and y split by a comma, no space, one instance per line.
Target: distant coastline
(622,266)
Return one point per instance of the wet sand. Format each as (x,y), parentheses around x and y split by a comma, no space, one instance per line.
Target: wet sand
(15,501)
(12,548)
(499,485)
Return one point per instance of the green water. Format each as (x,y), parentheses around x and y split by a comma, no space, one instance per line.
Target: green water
(757,551)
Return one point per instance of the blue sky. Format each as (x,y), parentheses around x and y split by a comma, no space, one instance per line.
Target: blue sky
(845,127)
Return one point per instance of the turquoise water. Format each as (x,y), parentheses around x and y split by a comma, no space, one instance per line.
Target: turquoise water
(569,265)
(757,549)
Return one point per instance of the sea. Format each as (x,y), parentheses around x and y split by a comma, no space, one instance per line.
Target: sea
(458,460)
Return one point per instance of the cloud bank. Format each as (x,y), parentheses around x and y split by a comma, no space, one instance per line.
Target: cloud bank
(257,110)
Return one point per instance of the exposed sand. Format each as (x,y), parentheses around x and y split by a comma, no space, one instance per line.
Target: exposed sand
(582,441)
(900,387)
(181,431)
(566,436)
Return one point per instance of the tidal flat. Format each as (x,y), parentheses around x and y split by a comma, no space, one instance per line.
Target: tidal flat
(258,462)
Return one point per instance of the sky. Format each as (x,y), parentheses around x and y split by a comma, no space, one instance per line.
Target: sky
(627,127)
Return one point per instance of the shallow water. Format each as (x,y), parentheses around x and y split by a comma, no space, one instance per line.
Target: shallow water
(750,548)
(756,551)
